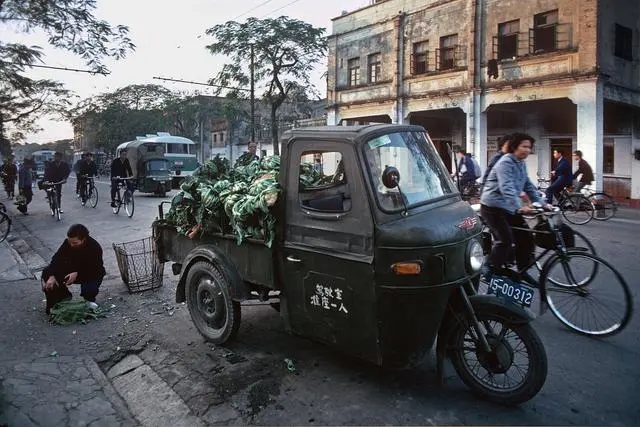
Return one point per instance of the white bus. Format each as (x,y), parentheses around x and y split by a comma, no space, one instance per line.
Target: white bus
(179,151)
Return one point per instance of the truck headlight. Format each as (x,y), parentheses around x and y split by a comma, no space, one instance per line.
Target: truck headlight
(475,256)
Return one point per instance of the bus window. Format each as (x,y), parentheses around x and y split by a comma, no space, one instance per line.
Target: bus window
(178,148)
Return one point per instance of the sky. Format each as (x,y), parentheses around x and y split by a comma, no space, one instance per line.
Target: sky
(170,42)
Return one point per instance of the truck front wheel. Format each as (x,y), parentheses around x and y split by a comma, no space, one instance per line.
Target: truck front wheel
(213,312)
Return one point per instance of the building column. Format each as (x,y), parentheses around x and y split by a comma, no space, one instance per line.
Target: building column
(635,163)
(588,98)
(477,131)
(333,117)
(539,160)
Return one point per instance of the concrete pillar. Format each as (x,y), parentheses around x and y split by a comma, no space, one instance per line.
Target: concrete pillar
(540,157)
(476,132)
(333,117)
(588,98)
(635,164)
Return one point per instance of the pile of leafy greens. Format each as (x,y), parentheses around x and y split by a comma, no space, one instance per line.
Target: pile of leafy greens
(221,199)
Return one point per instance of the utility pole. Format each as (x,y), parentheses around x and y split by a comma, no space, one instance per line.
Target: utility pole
(253,109)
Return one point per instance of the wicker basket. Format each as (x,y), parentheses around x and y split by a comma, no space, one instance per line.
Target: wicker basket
(140,268)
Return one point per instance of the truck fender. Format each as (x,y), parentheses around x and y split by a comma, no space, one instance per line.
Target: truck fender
(481,304)
(212,254)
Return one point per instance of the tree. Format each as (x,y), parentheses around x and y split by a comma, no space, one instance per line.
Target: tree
(70,25)
(285,52)
(122,115)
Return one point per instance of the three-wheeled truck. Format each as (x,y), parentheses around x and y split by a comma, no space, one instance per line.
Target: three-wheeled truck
(377,259)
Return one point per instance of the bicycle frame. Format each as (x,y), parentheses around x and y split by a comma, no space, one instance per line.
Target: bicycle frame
(560,250)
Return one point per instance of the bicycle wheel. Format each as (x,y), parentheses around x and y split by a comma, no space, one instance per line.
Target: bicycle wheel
(5,226)
(52,204)
(577,209)
(601,307)
(604,206)
(581,244)
(93,196)
(129,205)
(116,209)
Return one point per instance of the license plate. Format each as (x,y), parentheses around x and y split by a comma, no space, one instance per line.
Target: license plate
(178,163)
(513,291)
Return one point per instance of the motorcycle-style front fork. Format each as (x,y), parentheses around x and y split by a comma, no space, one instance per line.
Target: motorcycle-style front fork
(480,336)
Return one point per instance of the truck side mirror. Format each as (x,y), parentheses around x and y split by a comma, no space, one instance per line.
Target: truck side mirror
(390,177)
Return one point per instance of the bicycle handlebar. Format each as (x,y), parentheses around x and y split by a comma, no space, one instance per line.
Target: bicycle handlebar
(117,178)
(53,183)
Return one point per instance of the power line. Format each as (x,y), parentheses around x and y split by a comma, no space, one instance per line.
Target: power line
(104,73)
(202,84)
(280,8)
(252,9)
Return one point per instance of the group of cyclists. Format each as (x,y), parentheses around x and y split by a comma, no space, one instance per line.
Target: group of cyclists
(507,194)
(56,172)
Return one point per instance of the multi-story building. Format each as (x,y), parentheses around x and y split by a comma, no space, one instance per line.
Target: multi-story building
(565,71)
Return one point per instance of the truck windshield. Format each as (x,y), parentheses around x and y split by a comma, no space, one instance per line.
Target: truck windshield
(423,176)
(157,165)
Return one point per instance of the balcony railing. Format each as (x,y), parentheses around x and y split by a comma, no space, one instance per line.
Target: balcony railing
(437,60)
(544,39)
(549,38)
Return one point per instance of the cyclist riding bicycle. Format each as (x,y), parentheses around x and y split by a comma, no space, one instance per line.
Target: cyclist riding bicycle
(57,171)
(86,169)
(584,175)
(9,176)
(76,170)
(501,208)
(561,175)
(120,168)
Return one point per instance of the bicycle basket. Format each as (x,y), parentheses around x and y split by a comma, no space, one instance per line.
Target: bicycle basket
(140,268)
(545,238)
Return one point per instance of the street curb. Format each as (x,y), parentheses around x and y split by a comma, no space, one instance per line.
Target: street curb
(150,399)
(109,391)
(26,255)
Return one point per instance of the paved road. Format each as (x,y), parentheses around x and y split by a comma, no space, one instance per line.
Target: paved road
(590,382)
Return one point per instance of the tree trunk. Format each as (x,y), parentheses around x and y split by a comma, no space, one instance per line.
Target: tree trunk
(274,128)
(5,145)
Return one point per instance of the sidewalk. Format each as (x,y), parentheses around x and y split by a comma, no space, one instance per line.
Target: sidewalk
(59,391)
(12,267)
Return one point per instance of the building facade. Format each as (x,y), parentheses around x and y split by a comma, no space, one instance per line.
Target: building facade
(565,71)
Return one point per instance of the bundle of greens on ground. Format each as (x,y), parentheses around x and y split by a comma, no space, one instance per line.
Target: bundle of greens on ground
(73,311)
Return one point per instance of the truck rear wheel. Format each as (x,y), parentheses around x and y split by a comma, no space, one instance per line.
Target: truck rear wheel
(213,312)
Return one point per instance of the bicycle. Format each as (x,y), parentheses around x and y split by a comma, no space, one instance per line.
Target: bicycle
(127,199)
(558,285)
(575,207)
(52,197)
(88,191)
(604,204)
(5,225)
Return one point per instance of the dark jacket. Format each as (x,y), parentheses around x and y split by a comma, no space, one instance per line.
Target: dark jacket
(88,168)
(86,261)
(563,172)
(469,173)
(10,169)
(245,159)
(585,170)
(56,172)
(120,168)
(25,177)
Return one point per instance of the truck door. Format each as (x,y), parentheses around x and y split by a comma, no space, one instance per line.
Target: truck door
(328,248)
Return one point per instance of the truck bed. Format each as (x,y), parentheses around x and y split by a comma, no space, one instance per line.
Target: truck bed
(252,259)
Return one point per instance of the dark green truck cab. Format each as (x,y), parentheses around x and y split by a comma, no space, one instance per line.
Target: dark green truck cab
(376,260)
